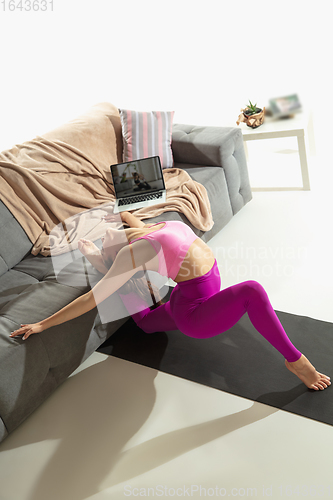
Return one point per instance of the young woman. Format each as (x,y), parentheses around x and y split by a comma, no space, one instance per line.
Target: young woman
(197,306)
(140,182)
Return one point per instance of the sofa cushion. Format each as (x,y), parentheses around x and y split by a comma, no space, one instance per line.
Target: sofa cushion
(147,134)
(12,284)
(25,380)
(14,243)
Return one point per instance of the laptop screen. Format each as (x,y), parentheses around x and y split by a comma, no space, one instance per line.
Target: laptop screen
(137,177)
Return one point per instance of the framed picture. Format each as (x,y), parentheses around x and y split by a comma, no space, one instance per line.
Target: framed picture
(285,106)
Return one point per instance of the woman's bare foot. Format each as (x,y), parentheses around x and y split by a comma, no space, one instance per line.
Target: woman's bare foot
(307,373)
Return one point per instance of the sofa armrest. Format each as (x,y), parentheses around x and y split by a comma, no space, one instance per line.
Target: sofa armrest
(215,147)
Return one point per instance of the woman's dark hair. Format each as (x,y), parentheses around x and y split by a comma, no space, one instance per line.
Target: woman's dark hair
(140,284)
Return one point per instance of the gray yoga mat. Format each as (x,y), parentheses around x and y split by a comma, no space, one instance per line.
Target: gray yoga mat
(239,361)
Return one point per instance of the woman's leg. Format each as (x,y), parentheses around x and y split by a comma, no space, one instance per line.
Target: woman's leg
(218,313)
(222,310)
(157,320)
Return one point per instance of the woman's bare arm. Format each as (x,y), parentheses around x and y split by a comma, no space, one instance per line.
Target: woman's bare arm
(97,262)
(129,261)
(126,217)
(119,273)
(131,220)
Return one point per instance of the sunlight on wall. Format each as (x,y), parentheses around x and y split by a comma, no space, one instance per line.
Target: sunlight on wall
(203,60)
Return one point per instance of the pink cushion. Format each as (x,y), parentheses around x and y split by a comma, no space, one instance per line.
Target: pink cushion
(147,134)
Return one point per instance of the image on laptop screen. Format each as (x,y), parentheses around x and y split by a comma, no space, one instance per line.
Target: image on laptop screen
(137,177)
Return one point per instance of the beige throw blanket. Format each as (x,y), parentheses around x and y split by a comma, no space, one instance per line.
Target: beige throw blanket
(58,186)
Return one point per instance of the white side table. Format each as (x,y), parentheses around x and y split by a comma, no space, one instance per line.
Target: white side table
(288,127)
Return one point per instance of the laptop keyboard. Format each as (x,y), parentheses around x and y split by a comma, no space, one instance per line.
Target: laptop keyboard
(138,198)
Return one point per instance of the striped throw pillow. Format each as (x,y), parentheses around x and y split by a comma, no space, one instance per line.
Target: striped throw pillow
(147,134)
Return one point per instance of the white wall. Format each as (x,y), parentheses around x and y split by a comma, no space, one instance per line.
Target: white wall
(204,59)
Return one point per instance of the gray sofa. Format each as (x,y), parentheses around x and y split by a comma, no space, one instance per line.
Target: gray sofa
(31,288)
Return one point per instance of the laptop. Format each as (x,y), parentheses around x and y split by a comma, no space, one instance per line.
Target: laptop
(138,183)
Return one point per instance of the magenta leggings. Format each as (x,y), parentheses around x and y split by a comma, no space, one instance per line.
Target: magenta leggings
(198,308)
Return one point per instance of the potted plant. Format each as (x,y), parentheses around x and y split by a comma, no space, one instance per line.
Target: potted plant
(252,116)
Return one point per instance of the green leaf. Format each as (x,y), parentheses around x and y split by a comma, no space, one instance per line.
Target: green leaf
(253,107)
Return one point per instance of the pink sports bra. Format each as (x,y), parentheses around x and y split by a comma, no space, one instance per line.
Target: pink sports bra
(171,243)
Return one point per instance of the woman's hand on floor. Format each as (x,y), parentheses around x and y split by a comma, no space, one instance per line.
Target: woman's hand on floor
(27,330)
